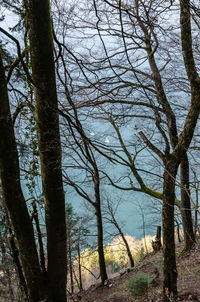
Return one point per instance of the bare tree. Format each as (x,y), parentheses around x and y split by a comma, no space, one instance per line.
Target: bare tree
(83,159)
(112,219)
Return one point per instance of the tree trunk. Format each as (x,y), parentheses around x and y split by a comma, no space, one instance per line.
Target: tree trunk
(46,105)
(39,235)
(17,264)
(157,243)
(185,209)
(178,233)
(169,266)
(196,207)
(70,262)
(79,266)
(14,199)
(124,240)
(128,250)
(14,252)
(102,265)
(158,234)
(7,272)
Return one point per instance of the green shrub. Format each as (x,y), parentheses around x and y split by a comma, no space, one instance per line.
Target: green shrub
(139,284)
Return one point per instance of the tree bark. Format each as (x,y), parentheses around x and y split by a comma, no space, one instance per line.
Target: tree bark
(158,234)
(196,206)
(156,244)
(169,266)
(17,264)
(185,209)
(70,261)
(14,199)
(39,235)
(102,265)
(79,266)
(46,106)
(97,204)
(6,270)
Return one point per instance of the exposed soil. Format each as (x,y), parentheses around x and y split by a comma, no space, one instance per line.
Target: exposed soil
(188,265)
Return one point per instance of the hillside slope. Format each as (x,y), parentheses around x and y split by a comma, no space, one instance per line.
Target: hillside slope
(188,265)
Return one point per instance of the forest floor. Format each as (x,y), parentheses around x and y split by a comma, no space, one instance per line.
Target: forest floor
(188,266)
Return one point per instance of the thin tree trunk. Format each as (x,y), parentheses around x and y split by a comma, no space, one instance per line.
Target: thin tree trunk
(14,199)
(144,235)
(40,243)
(158,237)
(128,250)
(178,233)
(186,215)
(15,256)
(17,264)
(158,234)
(169,266)
(75,277)
(70,263)
(123,238)
(46,105)
(102,265)
(79,267)
(97,206)
(196,205)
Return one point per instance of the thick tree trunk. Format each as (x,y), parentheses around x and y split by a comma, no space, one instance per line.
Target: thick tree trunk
(14,199)
(185,209)
(169,266)
(46,105)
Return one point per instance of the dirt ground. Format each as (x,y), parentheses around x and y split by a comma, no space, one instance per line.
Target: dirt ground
(188,265)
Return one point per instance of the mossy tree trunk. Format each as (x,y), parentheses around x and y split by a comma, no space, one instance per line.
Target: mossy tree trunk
(46,106)
(14,199)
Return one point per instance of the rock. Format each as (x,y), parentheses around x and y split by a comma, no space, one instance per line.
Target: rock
(108,283)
